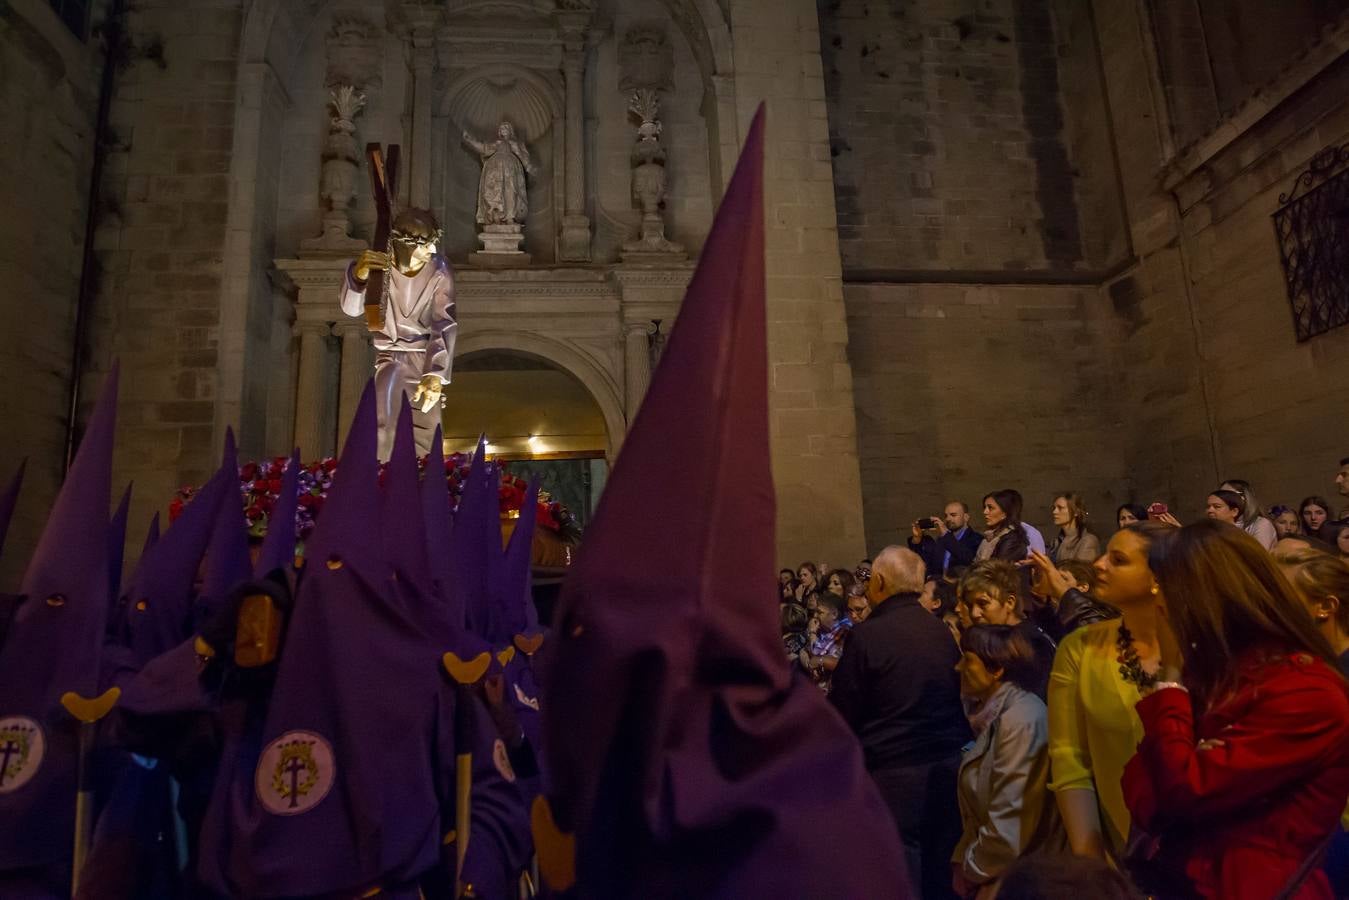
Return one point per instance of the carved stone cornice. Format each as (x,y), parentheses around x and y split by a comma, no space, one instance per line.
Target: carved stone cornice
(675,274)
(471,46)
(314,271)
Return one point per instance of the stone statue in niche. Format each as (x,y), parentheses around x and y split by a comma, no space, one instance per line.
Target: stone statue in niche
(503,199)
(649,179)
(341,165)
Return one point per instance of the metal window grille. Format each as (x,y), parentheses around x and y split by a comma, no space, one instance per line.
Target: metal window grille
(75,13)
(1312,225)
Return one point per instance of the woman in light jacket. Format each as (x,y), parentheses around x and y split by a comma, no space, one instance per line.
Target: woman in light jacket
(1003,786)
(1098,671)
(1075,539)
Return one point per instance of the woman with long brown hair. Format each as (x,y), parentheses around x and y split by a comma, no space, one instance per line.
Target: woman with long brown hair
(1243,769)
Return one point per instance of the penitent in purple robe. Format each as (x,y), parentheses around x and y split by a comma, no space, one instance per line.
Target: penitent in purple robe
(341,789)
(678,738)
(417,340)
(53,646)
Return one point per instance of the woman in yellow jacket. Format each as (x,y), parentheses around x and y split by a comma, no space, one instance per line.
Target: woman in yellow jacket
(1093,729)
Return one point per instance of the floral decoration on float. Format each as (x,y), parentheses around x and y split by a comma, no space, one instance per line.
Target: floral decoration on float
(556,531)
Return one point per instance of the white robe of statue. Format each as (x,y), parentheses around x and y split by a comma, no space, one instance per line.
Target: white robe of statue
(417,340)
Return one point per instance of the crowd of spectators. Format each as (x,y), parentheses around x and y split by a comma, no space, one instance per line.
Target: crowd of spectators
(1170,702)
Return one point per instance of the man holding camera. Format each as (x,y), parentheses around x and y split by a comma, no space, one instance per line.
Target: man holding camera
(946,540)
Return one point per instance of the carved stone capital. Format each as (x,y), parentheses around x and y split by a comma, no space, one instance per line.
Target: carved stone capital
(574,245)
(646,59)
(418,20)
(354,57)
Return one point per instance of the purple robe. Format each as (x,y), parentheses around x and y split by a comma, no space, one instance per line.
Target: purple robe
(678,739)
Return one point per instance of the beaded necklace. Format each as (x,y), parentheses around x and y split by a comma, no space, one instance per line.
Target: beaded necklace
(1130,666)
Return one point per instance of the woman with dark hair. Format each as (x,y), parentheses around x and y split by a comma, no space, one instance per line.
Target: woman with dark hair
(1255,521)
(839,582)
(1098,671)
(1314,512)
(1243,769)
(795,621)
(1004,537)
(1003,783)
(1075,539)
(807,581)
(1130,513)
(1225,506)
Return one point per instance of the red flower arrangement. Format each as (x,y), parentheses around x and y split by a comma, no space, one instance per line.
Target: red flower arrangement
(260,486)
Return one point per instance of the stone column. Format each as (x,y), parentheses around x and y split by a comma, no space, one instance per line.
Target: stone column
(354,373)
(423,59)
(814,419)
(575,243)
(309,389)
(636,364)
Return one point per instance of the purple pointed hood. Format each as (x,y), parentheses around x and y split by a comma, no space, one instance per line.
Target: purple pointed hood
(448,626)
(476,542)
(510,586)
(435,505)
(278,547)
(160,602)
(401,513)
(672,721)
(151,535)
(342,796)
(227,557)
(117,545)
(54,646)
(8,500)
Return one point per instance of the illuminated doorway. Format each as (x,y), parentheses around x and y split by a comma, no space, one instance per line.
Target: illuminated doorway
(539,420)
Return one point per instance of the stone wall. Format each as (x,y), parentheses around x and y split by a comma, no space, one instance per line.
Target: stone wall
(1257,404)
(48,102)
(965,389)
(1217,382)
(160,241)
(952,150)
(810,390)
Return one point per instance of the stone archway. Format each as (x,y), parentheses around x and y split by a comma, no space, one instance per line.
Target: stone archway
(601,385)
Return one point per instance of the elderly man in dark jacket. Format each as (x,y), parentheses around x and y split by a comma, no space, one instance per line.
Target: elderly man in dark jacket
(897,687)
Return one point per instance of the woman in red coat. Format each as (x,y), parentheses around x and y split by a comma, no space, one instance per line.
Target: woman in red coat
(1243,770)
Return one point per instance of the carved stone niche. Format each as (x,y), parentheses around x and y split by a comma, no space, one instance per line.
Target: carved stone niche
(646,60)
(353,53)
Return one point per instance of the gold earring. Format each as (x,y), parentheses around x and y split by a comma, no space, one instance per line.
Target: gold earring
(1156,590)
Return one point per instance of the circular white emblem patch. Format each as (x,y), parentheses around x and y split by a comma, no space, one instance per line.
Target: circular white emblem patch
(295,773)
(503,761)
(22,747)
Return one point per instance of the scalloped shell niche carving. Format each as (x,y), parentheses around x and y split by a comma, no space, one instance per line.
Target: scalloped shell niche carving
(482,102)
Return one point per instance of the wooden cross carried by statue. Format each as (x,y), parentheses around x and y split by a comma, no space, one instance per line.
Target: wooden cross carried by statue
(384,190)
